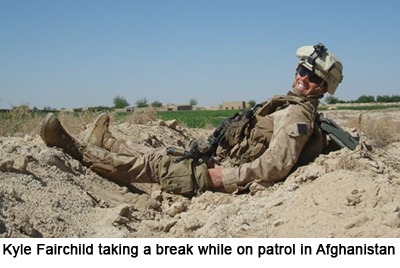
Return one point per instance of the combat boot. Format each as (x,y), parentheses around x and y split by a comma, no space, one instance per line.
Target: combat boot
(53,134)
(99,134)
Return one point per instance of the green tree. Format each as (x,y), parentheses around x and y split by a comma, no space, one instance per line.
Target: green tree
(156,104)
(193,102)
(365,99)
(141,103)
(386,98)
(120,102)
(331,100)
(252,103)
(99,109)
(48,108)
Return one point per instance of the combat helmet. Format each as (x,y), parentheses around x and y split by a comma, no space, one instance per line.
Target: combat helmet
(322,63)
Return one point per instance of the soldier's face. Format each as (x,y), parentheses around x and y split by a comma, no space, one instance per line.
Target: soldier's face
(303,85)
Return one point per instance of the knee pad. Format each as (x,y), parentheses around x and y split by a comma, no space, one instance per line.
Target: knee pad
(186,177)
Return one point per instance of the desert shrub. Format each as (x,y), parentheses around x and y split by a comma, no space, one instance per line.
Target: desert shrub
(19,121)
(381,132)
(142,117)
(75,123)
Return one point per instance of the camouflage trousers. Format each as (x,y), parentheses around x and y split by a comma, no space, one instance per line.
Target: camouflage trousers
(124,162)
(132,163)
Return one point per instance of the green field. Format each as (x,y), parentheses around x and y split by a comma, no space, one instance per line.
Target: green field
(201,119)
(197,119)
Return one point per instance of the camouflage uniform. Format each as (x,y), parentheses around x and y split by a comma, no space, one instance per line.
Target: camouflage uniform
(291,126)
(280,135)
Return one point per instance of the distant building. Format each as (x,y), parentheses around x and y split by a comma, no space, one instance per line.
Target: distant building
(233,105)
(67,110)
(175,107)
(124,110)
(120,110)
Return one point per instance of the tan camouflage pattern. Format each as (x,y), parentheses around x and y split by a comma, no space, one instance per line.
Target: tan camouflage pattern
(292,128)
(124,162)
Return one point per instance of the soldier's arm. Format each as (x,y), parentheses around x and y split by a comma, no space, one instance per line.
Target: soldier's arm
(216,176)
(292,130)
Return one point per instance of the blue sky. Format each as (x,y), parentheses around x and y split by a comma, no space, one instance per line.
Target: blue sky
(83,53)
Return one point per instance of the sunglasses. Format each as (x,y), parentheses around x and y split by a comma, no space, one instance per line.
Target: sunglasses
(312,77)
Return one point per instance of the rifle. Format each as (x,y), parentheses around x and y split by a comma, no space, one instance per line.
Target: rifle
(336,133)
(199,149)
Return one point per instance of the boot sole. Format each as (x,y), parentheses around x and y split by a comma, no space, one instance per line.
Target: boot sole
(45,122)
(89,133)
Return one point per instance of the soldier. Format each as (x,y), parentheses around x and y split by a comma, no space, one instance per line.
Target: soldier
(263,145)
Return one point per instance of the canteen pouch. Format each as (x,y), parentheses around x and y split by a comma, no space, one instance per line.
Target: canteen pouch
(185,177)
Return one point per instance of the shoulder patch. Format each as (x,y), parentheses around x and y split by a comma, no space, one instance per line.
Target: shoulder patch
(302,129)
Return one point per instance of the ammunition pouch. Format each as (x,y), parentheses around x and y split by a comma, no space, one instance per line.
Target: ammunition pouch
(234,134)
(186,177)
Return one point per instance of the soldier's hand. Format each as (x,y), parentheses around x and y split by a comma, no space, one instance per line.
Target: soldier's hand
(216,176)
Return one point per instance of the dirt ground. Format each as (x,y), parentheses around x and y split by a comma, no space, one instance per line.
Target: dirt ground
(46,193)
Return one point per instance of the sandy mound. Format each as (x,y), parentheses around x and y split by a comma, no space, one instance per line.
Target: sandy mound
(46,193)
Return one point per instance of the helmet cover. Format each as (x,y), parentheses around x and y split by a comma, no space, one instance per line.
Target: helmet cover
(325,65)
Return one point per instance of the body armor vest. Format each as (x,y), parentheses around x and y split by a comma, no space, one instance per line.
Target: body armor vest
(247,138)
